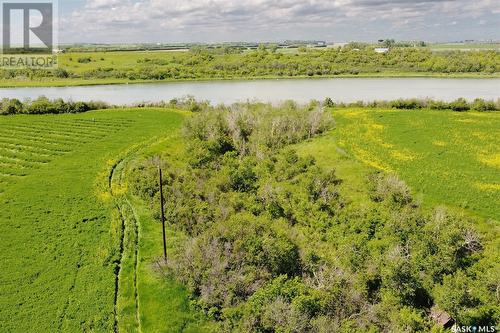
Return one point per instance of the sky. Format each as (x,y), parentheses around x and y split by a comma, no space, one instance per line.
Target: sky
(168,21)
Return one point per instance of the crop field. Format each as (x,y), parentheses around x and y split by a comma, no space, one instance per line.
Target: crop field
(446,157)
(464,46)
(81,253)
(91,68)
(61,254)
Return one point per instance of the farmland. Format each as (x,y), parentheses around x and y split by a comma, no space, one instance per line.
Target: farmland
(462,149)
(82,242)
(464,46)
(60,230)
(90,68)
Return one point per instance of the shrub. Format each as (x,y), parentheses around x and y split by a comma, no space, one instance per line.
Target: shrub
(460,105)
(61,73)
(328,103)
(438,105)
(272,245)
(11,106)
(43,105)
(84,60)
(482,105)
(407,104)
(392,189)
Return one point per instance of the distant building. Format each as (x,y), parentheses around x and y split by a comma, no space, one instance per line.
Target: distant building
(441,318)
(381,50)
(316,44)
(337,45)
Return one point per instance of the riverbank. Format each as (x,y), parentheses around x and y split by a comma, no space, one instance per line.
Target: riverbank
(79,82)
(340,90)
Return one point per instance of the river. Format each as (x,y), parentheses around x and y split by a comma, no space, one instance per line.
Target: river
(301,90)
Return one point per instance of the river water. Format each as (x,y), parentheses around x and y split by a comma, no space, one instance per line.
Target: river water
(301,90)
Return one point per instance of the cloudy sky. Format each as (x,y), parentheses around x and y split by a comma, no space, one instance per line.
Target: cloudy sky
(128,21)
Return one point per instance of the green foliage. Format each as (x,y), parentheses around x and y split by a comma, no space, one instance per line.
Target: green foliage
(482,105)
(407,104)
(276,245)
(460,105)
(42,105)
(11,106)
(446,157)
(230,62)
(266,239)
(328,103)
(61,73)
(392,189)
(60,239)
(84,60)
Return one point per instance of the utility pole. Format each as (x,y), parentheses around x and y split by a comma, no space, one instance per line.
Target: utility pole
(162,204)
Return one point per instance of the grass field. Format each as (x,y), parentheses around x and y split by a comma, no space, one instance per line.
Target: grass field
(446,157)
(91,68)
(464,46)
(81,254)
(60,231)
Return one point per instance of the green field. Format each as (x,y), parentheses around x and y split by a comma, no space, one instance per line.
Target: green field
(80,253)
(447,157)
(90,68)
(464,46)
(60,229)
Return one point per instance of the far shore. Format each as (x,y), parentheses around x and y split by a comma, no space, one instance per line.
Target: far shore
(93,82)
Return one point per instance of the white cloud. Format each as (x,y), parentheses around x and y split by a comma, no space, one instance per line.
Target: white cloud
(222,18)
(101,4)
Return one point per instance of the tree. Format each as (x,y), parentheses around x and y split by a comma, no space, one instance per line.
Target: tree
(11,106)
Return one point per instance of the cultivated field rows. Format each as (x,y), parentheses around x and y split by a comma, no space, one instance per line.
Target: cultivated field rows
(26,145)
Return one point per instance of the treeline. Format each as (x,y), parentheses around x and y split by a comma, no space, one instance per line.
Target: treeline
(460,104)
(207,64)
(274,244)
(43,105)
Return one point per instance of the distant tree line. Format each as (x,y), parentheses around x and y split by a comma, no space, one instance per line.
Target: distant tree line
(460,104)
(353,59)
(43,105)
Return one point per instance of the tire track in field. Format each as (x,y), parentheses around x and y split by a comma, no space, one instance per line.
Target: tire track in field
(136,261)
(118,267)
(122,204)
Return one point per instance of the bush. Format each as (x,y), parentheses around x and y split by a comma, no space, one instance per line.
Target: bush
(392,189)
(11,106)
(273,245)
(407,104)
(84,60)
(460,105)
(61,73)
(43,105)
(482,105)
(438,105)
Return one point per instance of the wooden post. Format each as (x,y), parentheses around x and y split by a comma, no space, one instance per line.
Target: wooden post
(162,204)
